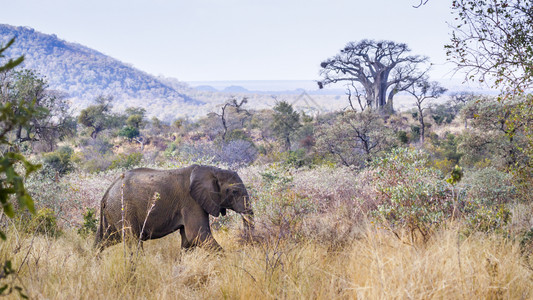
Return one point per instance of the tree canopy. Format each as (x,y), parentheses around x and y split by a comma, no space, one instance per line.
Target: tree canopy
(494,39)
(96,116)
(374,71)
(286,122)
(11,183)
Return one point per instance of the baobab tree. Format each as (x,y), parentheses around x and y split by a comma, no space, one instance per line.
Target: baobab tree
(374,71)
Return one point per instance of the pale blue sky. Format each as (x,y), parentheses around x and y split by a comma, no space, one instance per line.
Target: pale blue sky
(235,39)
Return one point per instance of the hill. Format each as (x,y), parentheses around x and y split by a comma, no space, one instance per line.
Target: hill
(84,73)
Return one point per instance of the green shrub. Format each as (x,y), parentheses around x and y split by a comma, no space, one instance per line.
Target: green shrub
(297,158)
(60,160)
(489,186)
(90,222)
(237,134)
(415,133)
(171,150)
(487,218)
(486,194)
(402,137)
(443,113)
(129,132)
(44,222)
(127,161)
(412,197)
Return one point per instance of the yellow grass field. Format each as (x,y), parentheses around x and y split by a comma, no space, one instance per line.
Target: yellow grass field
(375,265)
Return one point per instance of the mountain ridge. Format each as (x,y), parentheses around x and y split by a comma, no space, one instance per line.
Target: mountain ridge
(84,73)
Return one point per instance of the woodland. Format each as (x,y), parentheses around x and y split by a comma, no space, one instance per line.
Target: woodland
(368,201)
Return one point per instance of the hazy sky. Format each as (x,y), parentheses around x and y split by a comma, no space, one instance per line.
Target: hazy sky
(235,39)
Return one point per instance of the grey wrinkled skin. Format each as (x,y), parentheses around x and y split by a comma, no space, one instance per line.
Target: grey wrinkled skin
(184,199)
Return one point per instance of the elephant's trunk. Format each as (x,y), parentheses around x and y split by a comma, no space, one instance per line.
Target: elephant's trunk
(248,223)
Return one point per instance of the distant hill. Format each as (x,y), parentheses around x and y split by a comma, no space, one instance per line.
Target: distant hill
(206,88)
(84,73)
(235,89)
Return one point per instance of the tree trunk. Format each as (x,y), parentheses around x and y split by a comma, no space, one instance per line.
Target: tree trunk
(381,84)
(389,107)
(422,126)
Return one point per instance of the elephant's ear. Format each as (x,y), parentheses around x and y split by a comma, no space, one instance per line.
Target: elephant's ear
(205,189)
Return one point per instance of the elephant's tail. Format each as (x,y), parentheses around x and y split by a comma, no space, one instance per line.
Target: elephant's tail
(103,223)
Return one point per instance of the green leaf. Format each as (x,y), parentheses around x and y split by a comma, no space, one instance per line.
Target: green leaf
(8,210)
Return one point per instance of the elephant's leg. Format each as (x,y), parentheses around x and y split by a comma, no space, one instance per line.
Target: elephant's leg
(184,242)
(197,231)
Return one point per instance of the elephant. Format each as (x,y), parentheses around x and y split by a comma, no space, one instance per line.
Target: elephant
(159,202)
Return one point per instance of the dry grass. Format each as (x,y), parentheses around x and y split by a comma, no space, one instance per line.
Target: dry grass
(373,266)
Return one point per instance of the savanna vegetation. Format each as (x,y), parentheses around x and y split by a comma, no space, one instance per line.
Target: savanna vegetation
(368,202)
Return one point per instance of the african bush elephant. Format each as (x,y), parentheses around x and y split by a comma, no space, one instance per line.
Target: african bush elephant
(184,199)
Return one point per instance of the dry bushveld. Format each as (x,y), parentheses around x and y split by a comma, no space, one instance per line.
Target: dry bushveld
(322,233)
(374,265)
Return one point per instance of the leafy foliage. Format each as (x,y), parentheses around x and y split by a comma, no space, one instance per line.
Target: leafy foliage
(98,116)
(44,222)
(90,222)
(412,196)
(286,122)
(11,183)
(60,160)
(127,161)
(494,38)
(129,132)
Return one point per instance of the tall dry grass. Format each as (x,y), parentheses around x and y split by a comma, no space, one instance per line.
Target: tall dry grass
(373,265)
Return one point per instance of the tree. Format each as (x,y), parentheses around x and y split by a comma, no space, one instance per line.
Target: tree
(11,182)
(460,100)
(240,113)
(493,39)
(371,69)
(423,90)
(97,116)
(354,138)
(135,117)
(129,132)
(286,122)
(492,122)
(51,119)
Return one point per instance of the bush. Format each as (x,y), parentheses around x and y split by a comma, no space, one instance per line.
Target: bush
(60,160)
(90,222)
(126,161)
(402,137)
(298,158)
(489,186)
(129,132)
(443,113)
(235,154)
(353,139)
(415,133)
(237,134)
(44,222)
(411,195)
(487,218)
